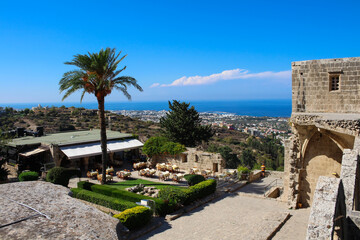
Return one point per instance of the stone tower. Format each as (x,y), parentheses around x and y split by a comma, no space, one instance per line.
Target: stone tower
(325,121)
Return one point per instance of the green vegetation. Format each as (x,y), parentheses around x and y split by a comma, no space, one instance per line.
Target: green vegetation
(135,217)
(28,176)
(98,75)
(231,159)
(103,200)
(61,176)
(188,195)
(130,183)
(162,208)
(182,124)
(243,170)
(268,151)
(193,179)
(161,145)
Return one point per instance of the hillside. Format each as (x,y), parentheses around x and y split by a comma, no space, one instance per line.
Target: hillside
(230,143)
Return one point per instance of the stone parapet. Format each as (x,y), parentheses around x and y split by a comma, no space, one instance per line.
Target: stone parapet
(343,123)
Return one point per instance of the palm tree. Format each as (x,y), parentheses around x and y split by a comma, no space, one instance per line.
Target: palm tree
(98,75)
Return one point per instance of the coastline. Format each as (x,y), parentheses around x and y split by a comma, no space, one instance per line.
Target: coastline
(258,108)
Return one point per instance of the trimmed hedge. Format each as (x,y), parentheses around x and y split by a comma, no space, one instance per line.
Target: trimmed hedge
(85,185)
(193,179)
(103,200)
(75,191)
(175,196)
(190,194)
(61,176)
(28,176)
(161,207)
(134,217)
(204,188)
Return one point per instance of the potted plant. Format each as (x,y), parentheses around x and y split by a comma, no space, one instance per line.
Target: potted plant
(243,173)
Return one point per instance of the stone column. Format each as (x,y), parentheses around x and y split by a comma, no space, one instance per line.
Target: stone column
(348,176)
(291,173)
(86,164)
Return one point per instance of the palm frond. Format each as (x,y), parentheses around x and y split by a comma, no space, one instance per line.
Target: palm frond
(97,73)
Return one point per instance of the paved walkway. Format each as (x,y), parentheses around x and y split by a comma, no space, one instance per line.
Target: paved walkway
(296,226)
(257,187)
(231,217)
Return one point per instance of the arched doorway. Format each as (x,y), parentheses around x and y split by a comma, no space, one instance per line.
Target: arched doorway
(322,158)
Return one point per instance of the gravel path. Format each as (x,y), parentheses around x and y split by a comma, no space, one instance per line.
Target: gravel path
(232,217)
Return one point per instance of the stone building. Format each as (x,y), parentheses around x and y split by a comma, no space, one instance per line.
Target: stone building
(193,158)
(325,122)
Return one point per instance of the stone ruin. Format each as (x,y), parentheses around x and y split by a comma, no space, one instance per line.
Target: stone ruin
(321,158)
(193,158)
(146,191)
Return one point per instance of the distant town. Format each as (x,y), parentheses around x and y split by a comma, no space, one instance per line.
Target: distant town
(255,126)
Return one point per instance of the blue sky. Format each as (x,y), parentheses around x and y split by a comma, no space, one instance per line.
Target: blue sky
(186,50)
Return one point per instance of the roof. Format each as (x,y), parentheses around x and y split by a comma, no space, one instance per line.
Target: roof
(66,138)
(35,151)
(92,149)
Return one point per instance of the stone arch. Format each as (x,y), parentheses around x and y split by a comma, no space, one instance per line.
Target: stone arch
(322,157)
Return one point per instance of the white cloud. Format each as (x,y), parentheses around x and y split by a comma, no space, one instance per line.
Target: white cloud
(227,75)
(155,85)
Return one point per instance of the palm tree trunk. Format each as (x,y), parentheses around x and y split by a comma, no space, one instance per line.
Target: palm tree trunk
(103,138)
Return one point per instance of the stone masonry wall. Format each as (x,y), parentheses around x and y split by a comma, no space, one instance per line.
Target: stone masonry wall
(311,86)
(194,158)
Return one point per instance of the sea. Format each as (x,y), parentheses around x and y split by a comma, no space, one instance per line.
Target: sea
(258,108)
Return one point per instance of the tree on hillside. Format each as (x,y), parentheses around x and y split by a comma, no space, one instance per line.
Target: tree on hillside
(247,158)
(182,124)
(98,75)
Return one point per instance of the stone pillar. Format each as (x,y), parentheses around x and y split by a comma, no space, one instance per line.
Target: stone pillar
(86,164)
(348,176)
(291,174)
(325,209)
(111,157)
(55,153)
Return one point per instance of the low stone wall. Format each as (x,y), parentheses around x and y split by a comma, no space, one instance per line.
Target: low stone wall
(276,174)
(255,175)
(193,158)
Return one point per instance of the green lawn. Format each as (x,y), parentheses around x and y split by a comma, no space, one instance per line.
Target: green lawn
(131,183)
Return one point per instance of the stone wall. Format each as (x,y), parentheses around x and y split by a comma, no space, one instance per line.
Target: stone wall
(311,90)
(322,158)
(328,214)
(193,158)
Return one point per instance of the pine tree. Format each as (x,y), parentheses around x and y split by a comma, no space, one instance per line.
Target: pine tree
(182,124)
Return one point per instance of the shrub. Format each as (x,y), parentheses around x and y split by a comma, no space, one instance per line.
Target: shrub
(61,176)
(75,191)
(161,207)
(28,176)
(204,188)
(161,145)
(193,179)
(188,195)
(173,195)
(243,170)
(135,217)
(85,185)
(103,200)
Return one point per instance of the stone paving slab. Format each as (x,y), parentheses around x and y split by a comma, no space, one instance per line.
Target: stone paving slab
(230,217)
(296,226)
(68,217)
